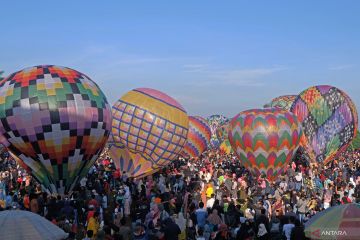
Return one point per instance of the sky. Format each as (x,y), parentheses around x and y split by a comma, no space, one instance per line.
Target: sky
(214,57)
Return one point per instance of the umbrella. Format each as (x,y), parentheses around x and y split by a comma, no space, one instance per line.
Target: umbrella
(24,225)
(338,222)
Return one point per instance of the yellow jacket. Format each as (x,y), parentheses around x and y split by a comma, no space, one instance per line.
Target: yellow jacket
(209,191)
(93,225)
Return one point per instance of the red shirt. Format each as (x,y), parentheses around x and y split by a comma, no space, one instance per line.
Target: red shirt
(94,203)
(89,215)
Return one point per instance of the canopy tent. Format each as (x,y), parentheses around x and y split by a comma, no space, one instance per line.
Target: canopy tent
(24,225)
(338,222)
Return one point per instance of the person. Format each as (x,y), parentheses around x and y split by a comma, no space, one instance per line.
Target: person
(297,232)
(275,228)
(34,206)
(201,215)
(26,202)
(278,207)
(171,229)
(93,224)
(181,222)
(302,207)
(351,192)
(139,232)
(200,235)
(214,218)
(209,190)
(210,201)
(124,231)
(262,232)
(327,198)
(89,235)
(262,219)
(345,199)
(287,228)
(245,231)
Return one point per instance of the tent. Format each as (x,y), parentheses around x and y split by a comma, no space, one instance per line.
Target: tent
(24,225)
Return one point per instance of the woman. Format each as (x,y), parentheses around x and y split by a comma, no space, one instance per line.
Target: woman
(214,218)
(278,207)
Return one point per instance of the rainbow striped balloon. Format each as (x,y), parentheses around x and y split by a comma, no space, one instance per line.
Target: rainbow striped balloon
(198,137)
(133,164)
(151,125)
(265,140)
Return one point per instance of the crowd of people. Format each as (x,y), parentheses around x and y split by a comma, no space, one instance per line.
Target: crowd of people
(212,197)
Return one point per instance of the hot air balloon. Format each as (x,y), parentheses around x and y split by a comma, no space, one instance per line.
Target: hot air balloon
(265,140)
(222,132)
(225,147)
(329,120)
(198,137)
(132,164)
(56,120)
(283,102)
(152,126)
(214,122)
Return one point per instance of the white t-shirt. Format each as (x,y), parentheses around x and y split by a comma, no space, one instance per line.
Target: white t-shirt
(210,203)
(351,193)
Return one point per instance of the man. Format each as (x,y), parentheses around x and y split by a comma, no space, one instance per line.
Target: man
(201,215)
(302,207)
(288,228)
(125,231)
(171,229)
(210,201)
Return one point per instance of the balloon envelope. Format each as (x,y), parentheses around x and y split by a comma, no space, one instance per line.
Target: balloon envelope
(214,122)
(265,140)
(56,120)
(198,137)
(151,125)
(329,120)
(133,164)
(222,132)
(225,146)
(284,102)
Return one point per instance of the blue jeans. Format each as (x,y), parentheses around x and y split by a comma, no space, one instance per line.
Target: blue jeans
(301,216)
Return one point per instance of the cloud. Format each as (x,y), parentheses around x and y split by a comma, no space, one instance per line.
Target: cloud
(195,68)
(341,67)
(139,60)
(251,77)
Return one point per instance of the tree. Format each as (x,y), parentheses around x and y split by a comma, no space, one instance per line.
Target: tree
(1,73)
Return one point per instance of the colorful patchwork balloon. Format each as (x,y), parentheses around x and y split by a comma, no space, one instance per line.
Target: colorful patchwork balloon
(265,140)
(214,122)
(56,121)
(284,102)
(198,137)
(329,120)
(152,126)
